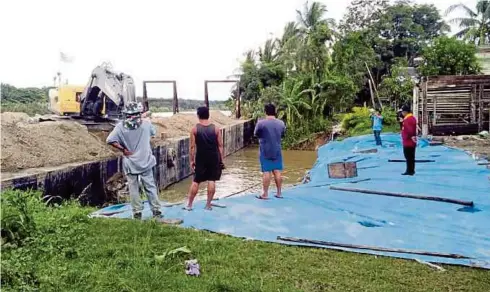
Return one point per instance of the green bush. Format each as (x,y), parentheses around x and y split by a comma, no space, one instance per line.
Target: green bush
(31,108)
(32,232)
(358,122)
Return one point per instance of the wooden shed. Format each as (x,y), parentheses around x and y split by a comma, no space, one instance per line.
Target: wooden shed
(452,105)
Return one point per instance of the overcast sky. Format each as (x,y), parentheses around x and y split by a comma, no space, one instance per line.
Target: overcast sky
(188,41)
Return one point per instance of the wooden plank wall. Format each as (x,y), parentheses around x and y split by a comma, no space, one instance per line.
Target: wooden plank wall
(453,104)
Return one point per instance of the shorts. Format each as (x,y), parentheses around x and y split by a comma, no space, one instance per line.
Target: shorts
(268,165)
(207,172)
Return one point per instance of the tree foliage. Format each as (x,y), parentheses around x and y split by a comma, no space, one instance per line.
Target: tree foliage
(398,85)
(361,14)
(13,94)
(316,69)
(404,29)
(475,26)
(449,56)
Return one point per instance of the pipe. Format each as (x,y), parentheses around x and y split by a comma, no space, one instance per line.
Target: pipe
(375,248)
(427,198)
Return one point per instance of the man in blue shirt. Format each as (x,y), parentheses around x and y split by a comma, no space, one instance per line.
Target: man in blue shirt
(377,122)
(270,132)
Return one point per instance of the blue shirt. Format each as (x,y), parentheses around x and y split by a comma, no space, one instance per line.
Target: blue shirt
(270,133)
(377,122)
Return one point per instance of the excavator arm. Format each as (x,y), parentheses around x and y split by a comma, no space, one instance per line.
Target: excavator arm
(107,90)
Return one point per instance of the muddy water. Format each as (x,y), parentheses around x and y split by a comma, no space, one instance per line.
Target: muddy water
(243,173)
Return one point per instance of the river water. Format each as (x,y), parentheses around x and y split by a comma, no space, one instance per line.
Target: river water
(243,173)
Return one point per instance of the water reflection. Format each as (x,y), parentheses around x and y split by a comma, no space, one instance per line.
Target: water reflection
(242,173)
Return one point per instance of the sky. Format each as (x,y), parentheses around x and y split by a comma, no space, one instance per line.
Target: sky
(188,40)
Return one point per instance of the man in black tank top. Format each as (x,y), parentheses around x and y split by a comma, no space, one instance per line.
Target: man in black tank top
(206,156)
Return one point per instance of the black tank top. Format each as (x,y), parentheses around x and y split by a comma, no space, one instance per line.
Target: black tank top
(206,144)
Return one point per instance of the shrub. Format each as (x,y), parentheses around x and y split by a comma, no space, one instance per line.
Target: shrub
(32,231)
(358,122)
(31,108)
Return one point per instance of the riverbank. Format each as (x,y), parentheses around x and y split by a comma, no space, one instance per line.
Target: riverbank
(67,251)
(28,143)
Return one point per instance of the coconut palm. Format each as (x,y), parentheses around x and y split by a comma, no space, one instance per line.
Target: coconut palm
(288,45)
(268,53)
(316,31)
(475,27)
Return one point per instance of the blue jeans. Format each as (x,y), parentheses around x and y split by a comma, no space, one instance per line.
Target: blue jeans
(377,137)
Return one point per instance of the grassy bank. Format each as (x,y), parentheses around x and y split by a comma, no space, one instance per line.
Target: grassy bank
(60,249)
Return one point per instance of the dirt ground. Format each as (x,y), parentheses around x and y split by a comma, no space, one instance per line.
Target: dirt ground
(473,143)
(30,144)
(179,125)
(27,143)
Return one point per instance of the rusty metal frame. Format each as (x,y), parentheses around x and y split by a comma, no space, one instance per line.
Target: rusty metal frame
(175,102)
(237,100)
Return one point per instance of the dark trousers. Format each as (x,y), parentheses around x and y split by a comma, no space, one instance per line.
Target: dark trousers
(377,137)
(409,153)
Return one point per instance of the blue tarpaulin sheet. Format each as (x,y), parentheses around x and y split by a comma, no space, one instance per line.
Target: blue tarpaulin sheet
(313,211)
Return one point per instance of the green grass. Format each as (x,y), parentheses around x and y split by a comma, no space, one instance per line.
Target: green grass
(30,108)
(60,249)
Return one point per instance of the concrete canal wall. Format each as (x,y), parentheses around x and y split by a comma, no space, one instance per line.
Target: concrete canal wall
(70,180)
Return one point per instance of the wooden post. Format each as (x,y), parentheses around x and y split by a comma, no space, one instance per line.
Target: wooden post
(480,108)
(472,104)
(401,195)
(434,110)
(374,86)
(238,110)
(176,99)
(415,103)
(425,114)
(146,106)
(372,94)
(375,248)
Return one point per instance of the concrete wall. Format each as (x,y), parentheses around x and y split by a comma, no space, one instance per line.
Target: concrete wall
(173,165)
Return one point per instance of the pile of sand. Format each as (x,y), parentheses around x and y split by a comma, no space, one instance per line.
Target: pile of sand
(180,125)
(29,144)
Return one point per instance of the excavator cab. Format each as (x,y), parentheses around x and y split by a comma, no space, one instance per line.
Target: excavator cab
(65,100)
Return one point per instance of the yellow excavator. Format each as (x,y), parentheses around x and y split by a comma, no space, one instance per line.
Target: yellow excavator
(65,99)
(100,101)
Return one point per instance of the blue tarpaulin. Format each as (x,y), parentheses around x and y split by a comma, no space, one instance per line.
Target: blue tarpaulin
(313,211)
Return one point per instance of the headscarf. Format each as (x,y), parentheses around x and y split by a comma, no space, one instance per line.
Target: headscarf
(132,122)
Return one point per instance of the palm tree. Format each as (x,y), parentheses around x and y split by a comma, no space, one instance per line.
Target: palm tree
(268,54)
(316,31)
(475,27)
(313,15)
(288,46)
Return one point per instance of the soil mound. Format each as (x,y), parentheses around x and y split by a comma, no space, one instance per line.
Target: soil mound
(30,144)
(180,125)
